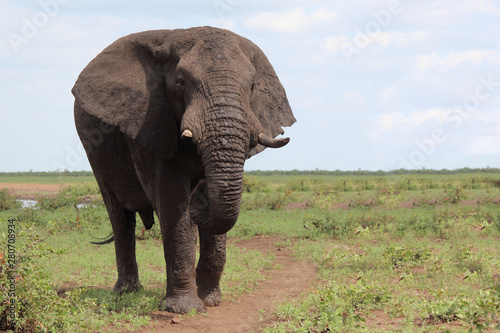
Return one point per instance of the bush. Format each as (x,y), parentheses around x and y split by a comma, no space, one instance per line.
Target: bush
(331,309)
(142,234)
(389,198)
(479,312)
(330,224)
(251,184)
(323,198)
(26,292)
(399,257)
(29,215)
(299,185)
(8,201)
(69,196)
(272,201)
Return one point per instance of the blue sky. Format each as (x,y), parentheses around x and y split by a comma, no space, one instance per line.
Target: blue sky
(373,84)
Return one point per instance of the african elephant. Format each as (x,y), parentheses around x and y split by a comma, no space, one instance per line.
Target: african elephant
(167,119)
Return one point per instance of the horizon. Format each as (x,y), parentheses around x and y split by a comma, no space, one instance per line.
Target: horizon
(315,171)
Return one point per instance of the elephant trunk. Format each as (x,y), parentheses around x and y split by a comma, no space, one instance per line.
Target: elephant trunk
(215,203)
(224,201)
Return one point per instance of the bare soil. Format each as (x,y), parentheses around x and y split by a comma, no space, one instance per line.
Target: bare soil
(29,191)
(287,280)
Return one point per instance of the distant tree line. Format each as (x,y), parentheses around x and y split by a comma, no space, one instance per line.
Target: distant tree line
(67,173)
(372,173)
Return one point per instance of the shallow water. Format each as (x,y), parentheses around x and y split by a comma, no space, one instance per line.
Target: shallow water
(32,204)
(27,203)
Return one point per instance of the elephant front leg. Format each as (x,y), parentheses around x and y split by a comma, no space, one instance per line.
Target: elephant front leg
(179,241)
(210,267)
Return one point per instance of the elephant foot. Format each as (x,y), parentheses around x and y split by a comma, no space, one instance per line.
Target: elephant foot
(211,297)
(182,304)
(125,286)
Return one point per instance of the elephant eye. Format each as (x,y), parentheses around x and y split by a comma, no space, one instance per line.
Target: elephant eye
(180,83)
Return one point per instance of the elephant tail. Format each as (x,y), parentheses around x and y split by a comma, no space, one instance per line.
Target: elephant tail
(107,240)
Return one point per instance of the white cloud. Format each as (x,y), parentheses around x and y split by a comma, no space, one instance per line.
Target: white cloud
(390,121)
(480,6)
(332,44)
(438,115)
(427,62)
(296,20)
(385,38)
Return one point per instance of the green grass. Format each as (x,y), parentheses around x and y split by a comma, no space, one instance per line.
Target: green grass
(420,251)
(47,180)
(68,281)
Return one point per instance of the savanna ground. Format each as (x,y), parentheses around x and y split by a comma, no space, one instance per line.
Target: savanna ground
(310,253)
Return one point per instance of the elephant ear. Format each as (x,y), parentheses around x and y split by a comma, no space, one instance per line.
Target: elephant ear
(124,86)
(268,102)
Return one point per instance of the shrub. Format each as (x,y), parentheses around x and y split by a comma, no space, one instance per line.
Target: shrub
(8,201)
(454,195)
(26,292)
(69,196)
(323,198)
(251,184)
(60,200)
(272,201)
(300,185)
(399,257)
(329,224)
(390,197)
(331,309)
(478,312)
(142,234)
(28,215)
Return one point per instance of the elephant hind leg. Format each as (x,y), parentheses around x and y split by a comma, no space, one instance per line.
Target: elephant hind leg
(124,233)
(123,223)
(210,267)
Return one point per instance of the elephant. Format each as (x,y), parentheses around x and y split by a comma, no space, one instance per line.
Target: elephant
(167,119)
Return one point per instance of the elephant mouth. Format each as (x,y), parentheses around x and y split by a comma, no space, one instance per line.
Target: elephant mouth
(198,204)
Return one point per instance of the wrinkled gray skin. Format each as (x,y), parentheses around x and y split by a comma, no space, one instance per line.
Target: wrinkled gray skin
(167,119)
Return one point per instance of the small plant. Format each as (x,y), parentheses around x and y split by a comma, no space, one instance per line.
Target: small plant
(454,195)
(399,257)
(271,201)
(331,309)
(478,312)
(329,224)
(390,197)
(142,234)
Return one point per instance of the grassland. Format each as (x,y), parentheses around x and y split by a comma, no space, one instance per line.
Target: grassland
(64,177)
(398,253)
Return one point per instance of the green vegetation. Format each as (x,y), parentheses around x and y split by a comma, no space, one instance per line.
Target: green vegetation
(395,252)
(54,177)
(7,201)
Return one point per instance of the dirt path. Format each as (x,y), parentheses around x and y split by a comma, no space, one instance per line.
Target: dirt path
(291,278)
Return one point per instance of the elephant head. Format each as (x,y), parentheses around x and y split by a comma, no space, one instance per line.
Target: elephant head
(203,87)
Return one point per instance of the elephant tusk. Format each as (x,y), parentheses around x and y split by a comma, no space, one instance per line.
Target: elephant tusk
(267,141)
(186,134)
